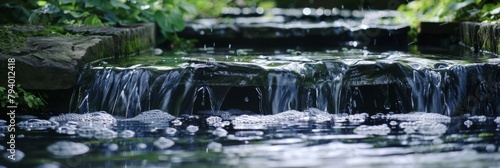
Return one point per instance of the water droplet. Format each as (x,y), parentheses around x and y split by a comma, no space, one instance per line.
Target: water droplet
(247,99)
(163,143)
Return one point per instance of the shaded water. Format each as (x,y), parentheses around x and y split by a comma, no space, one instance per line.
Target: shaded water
(276,108)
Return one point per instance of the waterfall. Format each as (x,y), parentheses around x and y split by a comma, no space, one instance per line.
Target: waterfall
(333,86)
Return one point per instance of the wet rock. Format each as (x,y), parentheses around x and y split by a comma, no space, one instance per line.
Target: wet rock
(54,62)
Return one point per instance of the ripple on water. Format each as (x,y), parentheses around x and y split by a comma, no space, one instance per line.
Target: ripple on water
(67,148)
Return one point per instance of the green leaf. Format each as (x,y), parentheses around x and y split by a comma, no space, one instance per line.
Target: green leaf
(118,4)
(177,20)
(163,21)
(495,11)
(67,1)
(92,20)
(187,7)
(30,104)
(78,14)
(459,5)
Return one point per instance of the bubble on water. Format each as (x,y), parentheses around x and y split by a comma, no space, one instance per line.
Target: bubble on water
(393,123)
(263,121)
(192,128)
(127,134)
(214,147)
(420,116)
(481,118)
(163,143)
(214,120)
(177,122)
(113,147)
(19,155)
(378,116)
(431,128)
(65,129)
(468,123)
(141,146)
(220,132)
(49,165)
(246,135)
(225,115)
(105,134)
(357,118)
(67,148)
(497,120)
(100,118)
(170,131)
(86,131)
(37,124)
(151,116)
(490,148)
(372,130)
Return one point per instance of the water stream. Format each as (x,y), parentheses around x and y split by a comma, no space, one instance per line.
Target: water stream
(273,108)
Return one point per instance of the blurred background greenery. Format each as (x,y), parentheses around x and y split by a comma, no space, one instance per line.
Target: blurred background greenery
(170,15)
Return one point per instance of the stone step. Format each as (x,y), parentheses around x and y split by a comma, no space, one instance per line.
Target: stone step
(55,62)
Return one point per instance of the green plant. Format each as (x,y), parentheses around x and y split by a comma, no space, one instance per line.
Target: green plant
(449,11)
(22,98)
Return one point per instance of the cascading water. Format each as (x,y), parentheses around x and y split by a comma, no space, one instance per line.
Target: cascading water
(336,86)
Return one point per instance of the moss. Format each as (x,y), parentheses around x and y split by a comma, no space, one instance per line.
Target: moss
(11,39)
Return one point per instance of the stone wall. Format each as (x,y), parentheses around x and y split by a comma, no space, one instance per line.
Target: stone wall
(484,37)
(54,62)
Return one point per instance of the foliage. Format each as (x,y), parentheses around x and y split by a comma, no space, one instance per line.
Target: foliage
(22,98)
(450,11)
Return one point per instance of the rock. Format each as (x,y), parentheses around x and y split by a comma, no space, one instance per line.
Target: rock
(54,62)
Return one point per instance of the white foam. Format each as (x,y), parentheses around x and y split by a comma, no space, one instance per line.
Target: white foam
(105,134)
(152,115)
(220,132)
(127,134)
(100,118)
(37,124)
(192,128)
(372,130)
(264,121)
(420,116)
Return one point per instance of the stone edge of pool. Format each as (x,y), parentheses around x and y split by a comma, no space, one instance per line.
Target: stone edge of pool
(55,62)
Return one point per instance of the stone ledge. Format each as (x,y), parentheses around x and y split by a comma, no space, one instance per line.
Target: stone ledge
(54,62)
(484,37)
